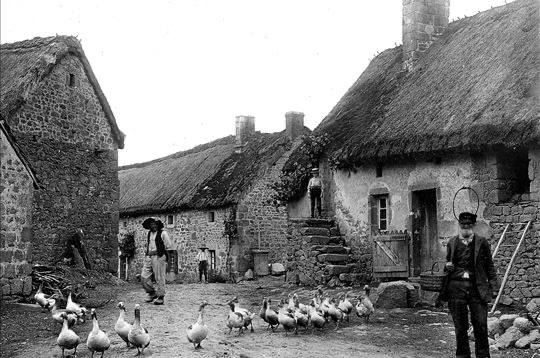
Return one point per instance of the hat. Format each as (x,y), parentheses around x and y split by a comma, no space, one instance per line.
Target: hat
(315,170)
(467,218)
(146,223)
(203,248)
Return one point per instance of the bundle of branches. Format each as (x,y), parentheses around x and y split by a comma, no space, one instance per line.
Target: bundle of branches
(80,282)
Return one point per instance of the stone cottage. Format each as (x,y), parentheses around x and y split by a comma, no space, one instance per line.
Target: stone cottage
(17,185)
(456,105)
(216,194)
(60,119)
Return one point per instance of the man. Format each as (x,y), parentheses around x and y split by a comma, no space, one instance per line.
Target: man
(155,261)
(74,243)
(202,258)
(471,282)
(315,191)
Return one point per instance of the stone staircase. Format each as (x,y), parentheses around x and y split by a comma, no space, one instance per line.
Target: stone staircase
(318,254)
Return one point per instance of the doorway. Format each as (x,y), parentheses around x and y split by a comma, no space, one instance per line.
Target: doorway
(424,229)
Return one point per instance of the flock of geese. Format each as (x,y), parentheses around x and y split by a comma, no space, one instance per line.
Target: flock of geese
(291,315)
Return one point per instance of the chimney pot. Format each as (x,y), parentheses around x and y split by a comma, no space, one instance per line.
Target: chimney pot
(294,124)
(245,128)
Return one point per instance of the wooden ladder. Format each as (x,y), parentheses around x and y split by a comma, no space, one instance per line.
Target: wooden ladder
(509,267)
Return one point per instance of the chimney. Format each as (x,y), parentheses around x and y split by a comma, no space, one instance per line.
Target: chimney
(245,127)
(294,124)
(423,22)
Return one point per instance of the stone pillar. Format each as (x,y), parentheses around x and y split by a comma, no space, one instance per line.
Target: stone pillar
(245,127)
(423,22)
(294,124)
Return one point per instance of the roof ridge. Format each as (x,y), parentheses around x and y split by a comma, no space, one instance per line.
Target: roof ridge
(41,41)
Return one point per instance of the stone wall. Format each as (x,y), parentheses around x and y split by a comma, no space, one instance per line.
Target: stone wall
(68,141)
(16,192)
(191,229)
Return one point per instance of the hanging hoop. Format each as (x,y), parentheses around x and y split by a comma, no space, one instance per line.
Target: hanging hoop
(454,201)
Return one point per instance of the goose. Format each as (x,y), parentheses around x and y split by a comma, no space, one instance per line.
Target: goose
(335,313)
(56,314)
(235,319)
(301,314)
(262,311)
(67,339)
(364,307)
(248,316)
(271,316)
(40,298)
(122,327)
(72,307)
(316,316)
(300,305)
(286,318)
(345,305)
(138,335)
(325,307)
(197,332)
(97,340)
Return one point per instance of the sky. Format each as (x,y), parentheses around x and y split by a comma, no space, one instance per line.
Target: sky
(177,73)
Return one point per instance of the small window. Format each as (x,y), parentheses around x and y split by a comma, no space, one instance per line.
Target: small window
(378,170)
(170,220)
(212,259)
(513,173)
(71,80)
(211,216)
(124,223)
(383,212)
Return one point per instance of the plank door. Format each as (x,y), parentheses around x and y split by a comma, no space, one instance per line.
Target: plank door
(391,255)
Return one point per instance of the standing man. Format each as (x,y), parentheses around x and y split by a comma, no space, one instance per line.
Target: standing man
(315,191)
(472,280)
(202,258)
(155,261)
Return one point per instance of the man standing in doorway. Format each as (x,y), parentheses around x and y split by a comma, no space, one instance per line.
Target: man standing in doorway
(202,258)
(471,283)
(315,191)
(155,261)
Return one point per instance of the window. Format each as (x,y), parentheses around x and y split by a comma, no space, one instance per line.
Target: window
(212,259)
(124,223)
(172,264)
(211,216)
(71,80)
(383,212)
(378,170)
(379,204)
(170,220)
(513,173)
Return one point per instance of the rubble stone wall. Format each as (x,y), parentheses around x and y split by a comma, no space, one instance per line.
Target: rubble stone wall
(16,192)
(68,141)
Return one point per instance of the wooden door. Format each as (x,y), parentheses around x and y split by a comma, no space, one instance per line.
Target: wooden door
(425,233)
(391,255)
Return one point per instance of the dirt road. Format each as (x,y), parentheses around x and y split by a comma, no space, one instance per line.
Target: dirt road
(27,332)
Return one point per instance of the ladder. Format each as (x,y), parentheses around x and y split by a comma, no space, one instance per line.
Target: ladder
(509,267)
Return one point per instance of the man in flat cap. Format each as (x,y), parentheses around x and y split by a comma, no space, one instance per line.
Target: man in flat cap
(315,191)
(155,261)
(472,280)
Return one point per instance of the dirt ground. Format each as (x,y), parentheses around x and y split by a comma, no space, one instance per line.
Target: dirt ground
(29,332)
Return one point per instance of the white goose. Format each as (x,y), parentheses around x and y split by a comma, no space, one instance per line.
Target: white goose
(97,340)
(138,335)
(122,327)
(67,339)
(56,314)
(197,332)
(40,298)
(72,307)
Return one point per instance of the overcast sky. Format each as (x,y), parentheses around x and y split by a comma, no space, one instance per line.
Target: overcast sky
(176,73)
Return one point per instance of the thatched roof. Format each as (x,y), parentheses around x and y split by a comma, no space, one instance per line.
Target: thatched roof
(475,88)
(208,176)
(25,64)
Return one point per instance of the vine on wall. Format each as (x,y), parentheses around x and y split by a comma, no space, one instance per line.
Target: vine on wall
(127,245)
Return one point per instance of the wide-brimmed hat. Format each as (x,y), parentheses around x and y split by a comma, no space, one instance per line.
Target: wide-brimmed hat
(146,223)
(466,218)
(203,247)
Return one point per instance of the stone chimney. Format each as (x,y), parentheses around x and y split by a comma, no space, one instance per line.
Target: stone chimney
(423,22)
(294,124)
(245,127)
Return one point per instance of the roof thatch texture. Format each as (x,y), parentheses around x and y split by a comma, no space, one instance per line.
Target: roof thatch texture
(475,88)
(24,65)
(208,176)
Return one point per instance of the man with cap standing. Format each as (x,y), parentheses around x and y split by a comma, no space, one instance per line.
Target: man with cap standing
(315,191)
(155,261)
(470,285)
(202,258)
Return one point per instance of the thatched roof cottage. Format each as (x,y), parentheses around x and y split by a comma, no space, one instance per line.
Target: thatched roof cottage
(215,194)
(52,102)
(455,105)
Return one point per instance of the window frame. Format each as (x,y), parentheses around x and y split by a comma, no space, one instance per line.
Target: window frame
(213,262)
(173,220)
(211,216)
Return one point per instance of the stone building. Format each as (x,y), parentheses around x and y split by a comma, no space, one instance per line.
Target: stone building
(456,105)
(64,126)
(217,194)
(17,185)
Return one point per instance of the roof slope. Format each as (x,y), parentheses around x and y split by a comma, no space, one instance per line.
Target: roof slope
(476,87)
(210,175)
(25,64)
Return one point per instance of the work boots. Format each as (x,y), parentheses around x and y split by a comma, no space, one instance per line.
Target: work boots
(159,301)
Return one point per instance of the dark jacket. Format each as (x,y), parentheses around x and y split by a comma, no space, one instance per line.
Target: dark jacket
(485,272)
(160,245)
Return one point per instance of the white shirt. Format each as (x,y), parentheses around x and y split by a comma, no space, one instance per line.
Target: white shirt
(315,182)
(164,237)
(202,256)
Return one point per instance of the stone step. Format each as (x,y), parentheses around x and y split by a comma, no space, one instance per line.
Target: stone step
(331,249)
(334,231)
(317,240)
(320,231)
(334,270)
(314,222)
(333,258)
